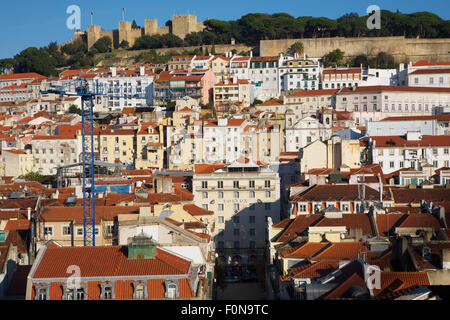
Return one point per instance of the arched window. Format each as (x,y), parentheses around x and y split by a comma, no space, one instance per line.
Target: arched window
(171,289)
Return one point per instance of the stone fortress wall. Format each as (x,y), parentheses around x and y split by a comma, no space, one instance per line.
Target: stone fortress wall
(181,26)
(401,48)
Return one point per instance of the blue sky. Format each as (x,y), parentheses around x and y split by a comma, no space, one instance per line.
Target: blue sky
(36,23)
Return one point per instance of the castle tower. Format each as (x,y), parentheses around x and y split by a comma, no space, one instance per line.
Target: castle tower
(151,26)
(125,31)
(93,34)
(184,24)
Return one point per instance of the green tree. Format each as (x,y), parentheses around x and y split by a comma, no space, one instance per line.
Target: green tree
(74,109)
(103,44)
(6,64)
(385,61)
(333,58)
(297,48)
(36,60)
(213,49)
(124,44)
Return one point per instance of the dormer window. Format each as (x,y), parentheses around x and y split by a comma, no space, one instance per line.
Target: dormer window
(42,291)
(171,289)
(140,290)
(107,290)
(71,293)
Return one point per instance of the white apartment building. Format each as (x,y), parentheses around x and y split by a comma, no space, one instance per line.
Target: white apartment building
(264,74)
(380,77)
(295,73)
(301,133)
(410,151)
(233,90)
(373,103)
(430,78)
(50,152)
(398,126)
(242,194)
(239,67)
(125,88)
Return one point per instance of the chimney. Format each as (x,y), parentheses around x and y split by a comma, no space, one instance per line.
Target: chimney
(142,70)
(251,53)
(29,213)
(380,187)
(113,71)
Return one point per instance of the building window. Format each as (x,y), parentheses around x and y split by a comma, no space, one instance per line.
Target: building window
(42,291)
(236,206)
(251,184)
(204,195)
(220,194)
(220,219)
(236,232)
(267,183)
(205,206)
(236,244)
(252,219)
(66,231)
(236,184)
(267,194)
(252,244)
(171,290)
(252,232)
(235,194)
(251,194)
(220,207)
(220,184)
(204,184)
(48,230)
(140,289)
(267,206)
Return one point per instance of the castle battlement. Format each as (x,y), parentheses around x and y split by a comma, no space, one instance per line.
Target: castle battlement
(182,24)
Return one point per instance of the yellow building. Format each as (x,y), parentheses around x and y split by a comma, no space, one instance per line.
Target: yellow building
(232,90)
(65,224)
(17,162)
(149,147)
(117,145)
(220,65)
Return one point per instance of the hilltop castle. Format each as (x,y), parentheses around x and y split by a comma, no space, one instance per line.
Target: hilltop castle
(181,26)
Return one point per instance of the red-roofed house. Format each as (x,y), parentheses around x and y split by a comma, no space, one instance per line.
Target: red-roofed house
(139,270)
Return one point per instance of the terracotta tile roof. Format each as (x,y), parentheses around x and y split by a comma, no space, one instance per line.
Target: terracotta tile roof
(21,224)
(283,223)
(341,251)
(341,291)
(315,270)
(336,192)
(271,102)
(265,58)
(207,168)
(395,281)
(307,250)
(351,221)
(298,227)
(107,261)
(15,151)
(417,220)
(422,63)
(393,89)
(404,195)
(182,195)
(402,142)
(194,210)
(386,223)
(16,76)
(53,214)
(430,71)
(341,71)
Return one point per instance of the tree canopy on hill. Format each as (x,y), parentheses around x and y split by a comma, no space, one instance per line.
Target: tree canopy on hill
(253,27)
